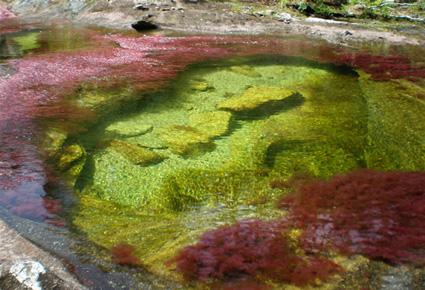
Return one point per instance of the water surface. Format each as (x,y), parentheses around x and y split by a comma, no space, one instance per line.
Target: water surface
(146,142)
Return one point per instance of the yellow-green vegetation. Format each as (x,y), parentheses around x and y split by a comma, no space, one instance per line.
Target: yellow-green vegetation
(156,236)
(102,97)
(70,154)
(255,97)
(217,158)
(128,128)
(28,41)
(396,125)
(135,154)
(71,162)
(201,86)
(245,70)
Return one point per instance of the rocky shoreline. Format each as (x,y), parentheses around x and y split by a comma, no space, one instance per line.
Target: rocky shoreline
(212,17)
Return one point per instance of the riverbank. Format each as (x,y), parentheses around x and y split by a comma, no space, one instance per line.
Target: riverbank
(217,18)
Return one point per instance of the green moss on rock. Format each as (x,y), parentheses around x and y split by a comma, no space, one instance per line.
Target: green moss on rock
(212,124)
(184,140)
(396,125)
(70,154)
(245,70)
(254,97)
(128,128)
(200,86)
(136,154)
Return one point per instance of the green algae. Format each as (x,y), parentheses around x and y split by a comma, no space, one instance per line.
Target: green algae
(396,127)
(70,154)
(254,97)
(28,41)
(204,145)
(128,129)
(135,154)
(245,70)
(156,236)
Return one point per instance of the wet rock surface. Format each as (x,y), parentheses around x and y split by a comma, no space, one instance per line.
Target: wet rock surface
(209,17)
(25,266)
(77,257)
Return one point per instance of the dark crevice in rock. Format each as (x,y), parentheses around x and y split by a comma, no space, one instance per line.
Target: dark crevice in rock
(143,25)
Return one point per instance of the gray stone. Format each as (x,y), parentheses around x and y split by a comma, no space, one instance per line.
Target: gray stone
(284,17)
(22,264)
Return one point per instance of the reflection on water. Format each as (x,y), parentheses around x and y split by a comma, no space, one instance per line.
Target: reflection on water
(127,145)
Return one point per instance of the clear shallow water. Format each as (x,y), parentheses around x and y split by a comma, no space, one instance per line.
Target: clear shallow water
(123,145)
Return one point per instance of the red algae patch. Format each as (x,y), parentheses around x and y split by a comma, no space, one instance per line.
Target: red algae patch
(383,68)
(251,248)
(380,215)
(123,254)
(5,14)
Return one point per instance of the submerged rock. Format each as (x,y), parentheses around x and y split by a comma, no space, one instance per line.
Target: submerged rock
(136,154)
(254,97)
(53,141)
(183,139)
(213,124)
(201,129)
(245,70)
(200,86)
(128,128)
(71,154)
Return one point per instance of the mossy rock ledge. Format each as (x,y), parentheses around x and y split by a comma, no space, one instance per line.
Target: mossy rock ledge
(254,97)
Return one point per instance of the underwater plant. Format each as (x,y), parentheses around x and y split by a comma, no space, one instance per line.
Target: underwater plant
(380,215)
(251,248)
(123,254)
(383,68)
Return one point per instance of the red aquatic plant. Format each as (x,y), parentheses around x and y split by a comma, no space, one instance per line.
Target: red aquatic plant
(251,248)
(5,14)
(377,214)
(123,254)
(382,67)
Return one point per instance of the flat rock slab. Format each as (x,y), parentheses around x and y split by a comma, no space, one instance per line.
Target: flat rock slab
(254,97)
(25,266)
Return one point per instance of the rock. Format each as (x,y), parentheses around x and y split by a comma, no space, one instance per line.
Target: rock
(144,25)
(71,154)
(356,10)
(284,17)
(183,139)
(264,13)
(128,128)
(24,266)
(5,70)
(245,70)
(200,86)
(321,20)
(397,279)
(53,141)
(136,154)
(202,128)
(254,97)
(212,124)
(76,6)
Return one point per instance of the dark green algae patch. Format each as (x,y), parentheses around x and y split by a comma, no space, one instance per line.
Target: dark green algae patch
(203,152)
